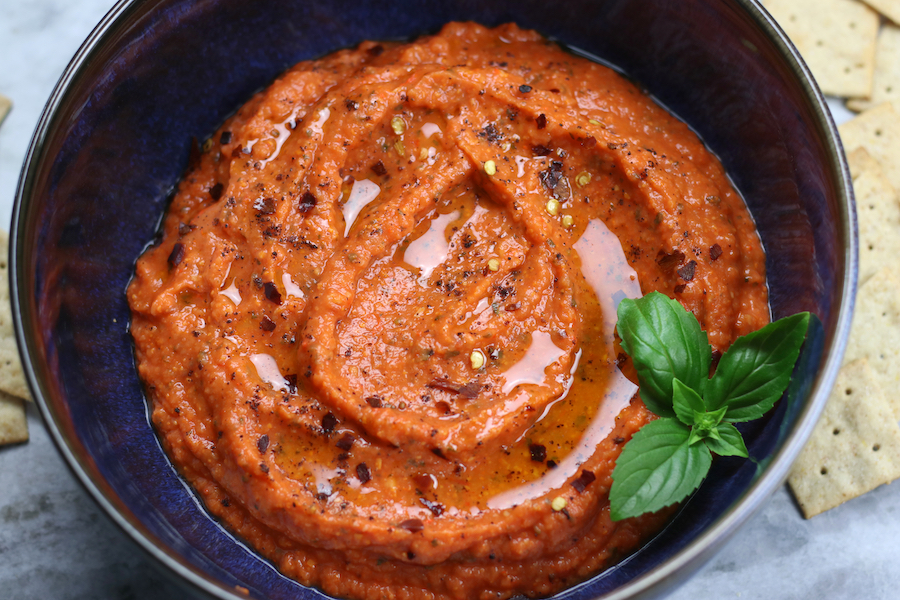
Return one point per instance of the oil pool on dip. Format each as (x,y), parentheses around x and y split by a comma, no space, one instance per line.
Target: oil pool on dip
(378,332)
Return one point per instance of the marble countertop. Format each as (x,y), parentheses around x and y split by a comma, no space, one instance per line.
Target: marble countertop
(55,543)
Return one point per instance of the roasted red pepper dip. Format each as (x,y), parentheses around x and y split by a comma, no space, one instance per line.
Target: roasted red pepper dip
(378,332)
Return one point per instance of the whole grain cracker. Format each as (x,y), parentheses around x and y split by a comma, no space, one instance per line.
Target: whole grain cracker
(878,212)
(875,333)
(878,131)
(889,8)
(12,377)
(13,424)
(5,106)
(836,39)
(886,78)
(854,448)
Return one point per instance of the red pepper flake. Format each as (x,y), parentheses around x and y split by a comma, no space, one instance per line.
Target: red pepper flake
(265,206)
(375,50)
(715,251)
(262,444)
(346,442)
(329,422)
(272,293)
(225,138)
(621,358)
(184,228)
(307,202)
(436,508)
(589,142)
(215,192)
(541,121)
(469,390)
(412,525)
(362,473)
(351,104)
(524,88)
(687,271)
(176,256)
(679,289)
(378,169)
(267,324)
(540,150)
(618,440)
(375,401)
(292,382)
(551,464)
(716,357)
(668,262)
(585,479)
(264,467)
(538,452)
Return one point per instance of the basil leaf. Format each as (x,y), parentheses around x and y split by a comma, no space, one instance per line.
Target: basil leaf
(706,425)
(664,341)
(729,443)
(753,374)
(686,402)
(657,468)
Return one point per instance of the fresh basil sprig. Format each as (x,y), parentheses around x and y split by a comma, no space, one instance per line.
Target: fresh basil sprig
(669,458)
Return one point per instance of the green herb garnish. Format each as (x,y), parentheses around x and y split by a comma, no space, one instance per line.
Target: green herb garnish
(669,458)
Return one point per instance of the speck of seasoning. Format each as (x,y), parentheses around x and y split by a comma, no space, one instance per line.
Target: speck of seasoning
(524,88)
(374,401)
(176,256)
(553,206)
(490,167)
(271,292)
(307,202)
(538,452)
(398,125)
(378,169)
(266,324)
(215,192)
(477,359)
(558,503)
(362,473)
(329,422)
(585,479)
(715,251)
(594,122)
(568,221)
(225,138)
(494,264)
(262,444)
(412,525)
(346,442)
(505,146)
(400,148)
(583,179)
(541,121)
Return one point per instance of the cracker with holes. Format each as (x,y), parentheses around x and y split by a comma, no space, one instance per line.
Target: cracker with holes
(854,448)
(878,212)
(876,331)
(12,377)
(889,8)
(878,131)
(886,79)
(836,39)
(13,426)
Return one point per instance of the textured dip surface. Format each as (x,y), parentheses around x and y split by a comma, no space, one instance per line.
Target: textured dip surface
(378,330)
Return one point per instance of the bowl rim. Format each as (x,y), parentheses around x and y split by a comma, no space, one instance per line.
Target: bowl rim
(673,571)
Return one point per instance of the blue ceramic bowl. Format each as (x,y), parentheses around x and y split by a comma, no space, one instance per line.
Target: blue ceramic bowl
(115,136)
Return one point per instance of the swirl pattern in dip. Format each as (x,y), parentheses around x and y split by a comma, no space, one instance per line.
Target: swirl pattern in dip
(378,332)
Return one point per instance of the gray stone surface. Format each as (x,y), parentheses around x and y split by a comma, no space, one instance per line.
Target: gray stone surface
(56,544)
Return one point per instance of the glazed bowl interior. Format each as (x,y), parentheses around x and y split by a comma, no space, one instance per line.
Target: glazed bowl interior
(115,138)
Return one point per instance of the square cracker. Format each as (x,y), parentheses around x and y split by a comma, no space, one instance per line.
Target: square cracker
(875,332)
(836,39)
(854,448)
(889,8)
(12,377)
(878,131)
(886,78)
(878,212)
(13,425)
(5,105)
